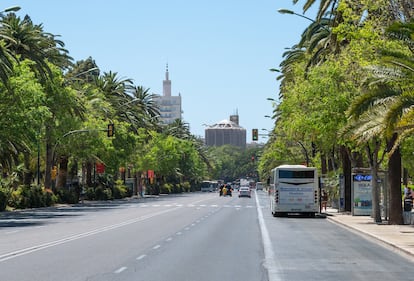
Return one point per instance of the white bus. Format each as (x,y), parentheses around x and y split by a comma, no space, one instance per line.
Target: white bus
(294,189)
(209,186)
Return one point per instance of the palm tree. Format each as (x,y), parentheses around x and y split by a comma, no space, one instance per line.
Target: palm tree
(25,40)
(22,40)
(324,6)
(140,109)
(179,129)
(391,90)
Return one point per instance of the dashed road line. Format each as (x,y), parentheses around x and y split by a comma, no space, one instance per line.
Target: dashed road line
(141,257)
(120,270)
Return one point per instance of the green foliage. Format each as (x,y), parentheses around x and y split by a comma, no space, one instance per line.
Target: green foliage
(103,193)
(120,190)
(166,188)
(4,195)
(31,197)
(231,163)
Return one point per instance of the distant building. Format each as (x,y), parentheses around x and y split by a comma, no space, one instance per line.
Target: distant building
(226,132)
(169,106)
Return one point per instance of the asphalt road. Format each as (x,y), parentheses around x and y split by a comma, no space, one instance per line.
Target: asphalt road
(198,236)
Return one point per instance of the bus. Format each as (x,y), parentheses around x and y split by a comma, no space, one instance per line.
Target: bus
(294,189)
(209,186)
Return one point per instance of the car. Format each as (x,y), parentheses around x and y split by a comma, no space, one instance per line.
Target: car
(244,191)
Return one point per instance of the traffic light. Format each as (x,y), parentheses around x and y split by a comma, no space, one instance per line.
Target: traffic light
(255,134)
(111,130)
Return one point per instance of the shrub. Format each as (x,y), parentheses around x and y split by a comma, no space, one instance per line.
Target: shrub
(90,193)
(68,196)
(102,193)
(120,190)
(166,188)
(4,194)
(31,197)
(186,186)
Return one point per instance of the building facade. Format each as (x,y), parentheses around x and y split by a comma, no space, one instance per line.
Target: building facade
(226,132)
(169,106)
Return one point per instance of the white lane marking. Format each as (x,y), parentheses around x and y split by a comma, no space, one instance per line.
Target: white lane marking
(169,239)
(179,233)
(156,247)
(39,247)
(270,263)
(120,270)
(11,232)
(141,257)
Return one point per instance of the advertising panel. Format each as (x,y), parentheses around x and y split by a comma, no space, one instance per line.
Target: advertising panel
(297,196)
(362,195)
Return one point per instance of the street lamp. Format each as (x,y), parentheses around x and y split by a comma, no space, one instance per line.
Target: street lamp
(290,12)
(12,9)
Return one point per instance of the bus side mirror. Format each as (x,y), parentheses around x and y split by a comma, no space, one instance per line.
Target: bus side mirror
(268,181)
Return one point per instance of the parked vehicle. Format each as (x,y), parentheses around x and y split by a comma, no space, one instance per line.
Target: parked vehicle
(294,189)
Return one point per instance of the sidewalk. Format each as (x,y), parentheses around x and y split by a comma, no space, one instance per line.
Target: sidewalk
(396,237)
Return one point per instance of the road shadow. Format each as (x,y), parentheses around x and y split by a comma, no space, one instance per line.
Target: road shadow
(48,215)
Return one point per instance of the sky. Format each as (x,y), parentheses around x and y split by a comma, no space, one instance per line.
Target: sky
(219,52)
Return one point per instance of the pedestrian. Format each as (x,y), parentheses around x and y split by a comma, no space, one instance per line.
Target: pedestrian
(408,200)
(324,199)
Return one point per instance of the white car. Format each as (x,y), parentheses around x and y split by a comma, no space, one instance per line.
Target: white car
(244,191)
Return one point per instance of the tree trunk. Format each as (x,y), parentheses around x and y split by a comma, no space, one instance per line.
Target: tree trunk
(394,179)
(347,171)
(28,174)
(63,172)
(89,170)
(324,168)
(49,165)
(375,192)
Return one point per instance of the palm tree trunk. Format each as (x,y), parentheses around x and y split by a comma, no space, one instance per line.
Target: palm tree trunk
(394,179)
(373,159)
(347,171)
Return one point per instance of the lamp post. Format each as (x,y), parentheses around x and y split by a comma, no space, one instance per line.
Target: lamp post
(11,9)
(290,12)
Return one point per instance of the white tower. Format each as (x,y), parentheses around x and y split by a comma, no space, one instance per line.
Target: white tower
(166,89)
